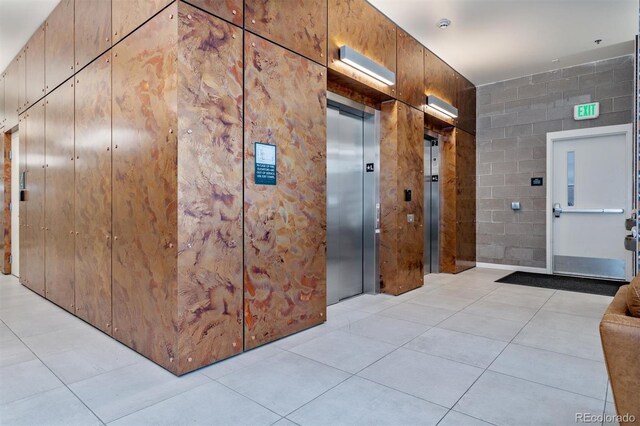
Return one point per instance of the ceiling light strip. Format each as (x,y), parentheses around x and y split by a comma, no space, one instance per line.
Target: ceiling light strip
(442,106)
(367,66)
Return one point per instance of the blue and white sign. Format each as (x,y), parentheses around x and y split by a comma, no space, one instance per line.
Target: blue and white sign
(265,169)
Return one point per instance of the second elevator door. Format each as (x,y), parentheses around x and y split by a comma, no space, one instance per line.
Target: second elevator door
(345,140)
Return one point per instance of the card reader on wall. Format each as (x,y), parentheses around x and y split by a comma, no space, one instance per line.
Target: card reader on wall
(407,195)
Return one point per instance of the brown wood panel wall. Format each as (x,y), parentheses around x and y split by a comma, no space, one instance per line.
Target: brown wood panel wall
(297,25)
(59,196)
(11,101)
(92,26)
(230,10)
(466,203)
(3,115)
(93,193)
(466,104)
(209,189)
(59,45)
(388,196)
(359,25)
(35,67)
(127,15)
(284,225)
(22,205)
(145,189)
(457,202)
(34,149)
(22,81)
(401,168)
(440,80)
(410,177)
(5,200)
(448,203)
(410,70)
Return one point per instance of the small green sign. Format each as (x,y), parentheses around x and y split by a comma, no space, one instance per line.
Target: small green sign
(586,111)
(265,165)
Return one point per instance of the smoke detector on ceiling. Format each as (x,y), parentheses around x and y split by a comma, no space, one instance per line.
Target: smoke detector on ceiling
(444,23)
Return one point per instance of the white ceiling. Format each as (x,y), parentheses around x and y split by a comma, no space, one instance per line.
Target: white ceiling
(488,40)
(495,40)
(19,19)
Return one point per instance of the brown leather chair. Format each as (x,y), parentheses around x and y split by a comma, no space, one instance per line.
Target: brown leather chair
(620,334)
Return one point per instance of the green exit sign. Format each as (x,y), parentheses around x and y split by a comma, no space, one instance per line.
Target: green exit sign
(586,111)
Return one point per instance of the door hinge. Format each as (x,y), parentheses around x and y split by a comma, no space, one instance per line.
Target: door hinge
(10,206)
(10,259)
(10,155)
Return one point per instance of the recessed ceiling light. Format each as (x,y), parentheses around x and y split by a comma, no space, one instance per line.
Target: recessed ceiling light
(598,41)
(555,60)
(444,23)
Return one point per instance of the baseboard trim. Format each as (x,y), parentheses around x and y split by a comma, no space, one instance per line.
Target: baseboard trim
(512,268)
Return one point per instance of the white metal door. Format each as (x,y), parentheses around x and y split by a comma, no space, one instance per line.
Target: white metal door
(15,204)
(590,185)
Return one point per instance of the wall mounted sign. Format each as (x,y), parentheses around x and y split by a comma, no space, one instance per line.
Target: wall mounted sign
(370,167)
(586,111)
(265,165)
(536,181)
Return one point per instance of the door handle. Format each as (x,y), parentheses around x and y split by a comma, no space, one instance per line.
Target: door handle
(557,210)
(603,211)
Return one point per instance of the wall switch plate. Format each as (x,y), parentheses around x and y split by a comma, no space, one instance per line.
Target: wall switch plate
(410,218)
(515,205)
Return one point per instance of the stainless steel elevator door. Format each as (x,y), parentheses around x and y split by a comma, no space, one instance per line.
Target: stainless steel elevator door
(345,173)
(431,259)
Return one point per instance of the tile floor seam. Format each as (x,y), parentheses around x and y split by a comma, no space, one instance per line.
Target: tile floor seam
(555,352)
(158,402)
(56,376)
(444,357)
(415,322)
(252,400)
(404,392)
(491,363)
(547,385)
(566,313)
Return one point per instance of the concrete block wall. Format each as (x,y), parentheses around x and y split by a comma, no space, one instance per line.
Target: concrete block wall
(513,118)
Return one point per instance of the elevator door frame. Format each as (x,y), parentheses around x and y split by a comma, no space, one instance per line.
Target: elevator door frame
(371,185)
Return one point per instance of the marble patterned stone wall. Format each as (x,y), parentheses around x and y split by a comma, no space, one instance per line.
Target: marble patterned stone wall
(401,168)
(210,106)
(127,15)
(229,10)
(284,225)
(93,148)
(144,288)
(59,196)
(297,25)
(92,26)
(205,264)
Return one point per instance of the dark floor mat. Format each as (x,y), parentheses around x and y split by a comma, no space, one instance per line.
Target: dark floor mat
(561,282)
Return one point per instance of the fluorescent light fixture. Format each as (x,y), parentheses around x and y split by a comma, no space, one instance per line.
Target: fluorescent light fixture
(440,105)
(367,66)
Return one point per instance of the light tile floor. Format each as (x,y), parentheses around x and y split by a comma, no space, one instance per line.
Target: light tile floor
(462,350)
